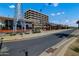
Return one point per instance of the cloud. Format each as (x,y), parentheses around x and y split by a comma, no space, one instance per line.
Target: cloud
(71,22)
(62,12)
(59,13)
(53,14)
(52,4)
(55,4)
(12,6)
(67,21)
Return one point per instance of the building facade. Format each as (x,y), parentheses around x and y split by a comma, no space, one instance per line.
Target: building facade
(6,24)
(38,19)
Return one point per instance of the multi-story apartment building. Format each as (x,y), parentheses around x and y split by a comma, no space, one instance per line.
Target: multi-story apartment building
(39,19)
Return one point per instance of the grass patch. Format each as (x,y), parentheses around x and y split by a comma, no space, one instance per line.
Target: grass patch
(76,49)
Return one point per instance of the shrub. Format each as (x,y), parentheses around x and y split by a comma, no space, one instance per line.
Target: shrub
(12,34)
(21,33)
(26,33)
(76,49)
(36,30)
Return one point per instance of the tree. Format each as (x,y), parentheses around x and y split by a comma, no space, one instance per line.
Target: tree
(78,23)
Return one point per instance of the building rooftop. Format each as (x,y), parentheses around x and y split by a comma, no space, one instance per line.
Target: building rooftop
(5,18)
(36,11)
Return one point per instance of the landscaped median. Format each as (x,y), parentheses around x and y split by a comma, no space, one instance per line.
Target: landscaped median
(23,36)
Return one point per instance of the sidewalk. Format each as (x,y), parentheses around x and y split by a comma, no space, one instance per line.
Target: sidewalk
(61,50)
(8,38)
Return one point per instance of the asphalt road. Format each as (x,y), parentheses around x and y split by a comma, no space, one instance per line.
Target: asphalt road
(34,47)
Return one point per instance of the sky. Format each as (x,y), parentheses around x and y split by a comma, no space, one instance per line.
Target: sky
(59,13)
